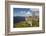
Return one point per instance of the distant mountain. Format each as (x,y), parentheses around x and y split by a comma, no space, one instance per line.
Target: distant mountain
(18,19)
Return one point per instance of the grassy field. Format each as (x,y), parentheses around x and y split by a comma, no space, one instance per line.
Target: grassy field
(23,24)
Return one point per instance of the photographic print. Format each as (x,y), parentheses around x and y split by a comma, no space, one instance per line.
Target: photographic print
(25,17)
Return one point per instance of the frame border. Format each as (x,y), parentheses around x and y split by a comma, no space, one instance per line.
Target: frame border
(7,18)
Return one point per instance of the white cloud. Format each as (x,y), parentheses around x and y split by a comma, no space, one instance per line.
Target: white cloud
(28,13)
(34,9)
(22,12)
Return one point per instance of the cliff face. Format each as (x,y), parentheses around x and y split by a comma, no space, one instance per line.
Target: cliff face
(35,18)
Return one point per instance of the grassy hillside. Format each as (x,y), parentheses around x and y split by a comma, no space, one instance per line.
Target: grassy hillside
(26,24)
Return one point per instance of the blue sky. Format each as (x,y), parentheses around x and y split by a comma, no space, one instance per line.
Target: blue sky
(22,12)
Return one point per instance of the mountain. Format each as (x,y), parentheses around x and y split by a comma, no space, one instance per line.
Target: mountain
(17,19)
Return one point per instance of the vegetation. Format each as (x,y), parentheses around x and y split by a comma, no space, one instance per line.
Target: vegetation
(22,24)
(35,23)
(25,24)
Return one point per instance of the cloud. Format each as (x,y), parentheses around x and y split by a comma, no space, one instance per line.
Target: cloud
(22,12)
(28,13)
(34,9)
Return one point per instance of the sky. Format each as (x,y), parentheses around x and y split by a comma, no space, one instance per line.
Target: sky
(24,11)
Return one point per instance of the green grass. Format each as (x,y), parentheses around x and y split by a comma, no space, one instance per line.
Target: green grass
(35,23)
(22,24)
(25,24)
